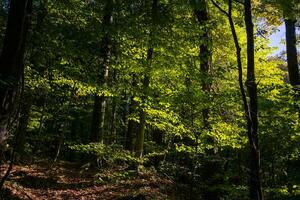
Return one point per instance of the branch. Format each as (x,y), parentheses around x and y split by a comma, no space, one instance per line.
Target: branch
(219,7)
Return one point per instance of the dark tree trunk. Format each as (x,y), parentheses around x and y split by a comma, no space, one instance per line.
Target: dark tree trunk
(112,114)
(291,51)
(97,128)
(130,135)
(12,67)
(240,72)
(211,166)
(11,61)
(292,60)
(205,55)
(132,125)
(139,144)
(158,136)
(113,123)
(255,180)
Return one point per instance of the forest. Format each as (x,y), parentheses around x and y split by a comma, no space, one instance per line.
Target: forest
(149,99)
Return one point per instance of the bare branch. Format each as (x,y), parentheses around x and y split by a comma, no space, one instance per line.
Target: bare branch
(219,7)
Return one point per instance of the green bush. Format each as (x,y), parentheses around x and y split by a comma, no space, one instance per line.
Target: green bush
(106,155)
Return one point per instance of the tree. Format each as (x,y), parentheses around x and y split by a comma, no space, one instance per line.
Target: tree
(97,130)
(205,54)
(255,180)
(131,128)
(139,145)
(291,51)
(12,61)
(250,110)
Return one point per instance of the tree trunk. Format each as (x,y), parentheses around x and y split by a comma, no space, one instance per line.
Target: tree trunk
(12,68)
(211,166)
(292,59)
(97,128)
(113,123)
(255,180)
(205,55)
(11,60)
(158,136)
(139,145)
(132,125)
(291,51)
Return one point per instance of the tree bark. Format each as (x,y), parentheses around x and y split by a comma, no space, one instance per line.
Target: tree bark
(12,68)
(132,125)
(139,145)
(240,69)
(205,55)
(97,128)
(292,60)
(291,51)
(11,60)
(255,179)
(113,121)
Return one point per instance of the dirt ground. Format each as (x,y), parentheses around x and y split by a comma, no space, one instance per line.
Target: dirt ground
(69,181)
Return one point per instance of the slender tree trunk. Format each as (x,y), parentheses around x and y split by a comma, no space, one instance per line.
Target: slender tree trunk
(240,69)
(64,127)
(205,55)
(97,128)
(131,128)
(212,166)
(59,144)
(292,60)
(291,51)
(132,125)
(130,135)
(255,179)
(139,144)
(113,123)
(11,60)
(113,112)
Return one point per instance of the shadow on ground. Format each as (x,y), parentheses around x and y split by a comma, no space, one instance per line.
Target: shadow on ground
(6,194)
(36,182)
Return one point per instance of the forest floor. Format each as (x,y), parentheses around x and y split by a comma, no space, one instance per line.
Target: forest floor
(66,180)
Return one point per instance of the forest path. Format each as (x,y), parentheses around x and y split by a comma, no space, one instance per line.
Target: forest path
(69,181)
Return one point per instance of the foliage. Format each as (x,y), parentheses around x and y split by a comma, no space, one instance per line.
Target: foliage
(63,64)
(106,155)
